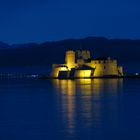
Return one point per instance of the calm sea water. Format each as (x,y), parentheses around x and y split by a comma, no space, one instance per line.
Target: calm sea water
(96,109)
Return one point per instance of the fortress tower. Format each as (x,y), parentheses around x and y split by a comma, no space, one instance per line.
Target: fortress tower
(70,59)
(84,54)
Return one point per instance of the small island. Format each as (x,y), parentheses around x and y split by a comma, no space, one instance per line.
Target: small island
(79,64)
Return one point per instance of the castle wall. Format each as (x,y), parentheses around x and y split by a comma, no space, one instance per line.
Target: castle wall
(120,71)
(83,73)
(104,67)
(55,71)
(80,62)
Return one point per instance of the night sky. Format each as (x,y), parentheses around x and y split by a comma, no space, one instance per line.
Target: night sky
(23,21)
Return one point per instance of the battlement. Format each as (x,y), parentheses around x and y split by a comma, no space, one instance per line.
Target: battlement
(104,61)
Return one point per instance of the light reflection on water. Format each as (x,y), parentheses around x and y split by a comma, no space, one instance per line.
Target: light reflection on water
(83,103)
(100,109)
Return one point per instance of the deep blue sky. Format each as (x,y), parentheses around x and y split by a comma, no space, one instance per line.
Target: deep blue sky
(23,21)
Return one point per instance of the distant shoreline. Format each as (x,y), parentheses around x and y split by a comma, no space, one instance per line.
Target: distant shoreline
(105,77)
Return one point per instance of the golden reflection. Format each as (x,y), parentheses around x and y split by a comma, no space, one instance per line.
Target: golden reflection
(88,86)
(83,99)
(84,86)
(66,90)
(107,85)
(64,86)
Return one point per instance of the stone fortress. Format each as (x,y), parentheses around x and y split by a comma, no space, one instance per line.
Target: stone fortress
(78,64)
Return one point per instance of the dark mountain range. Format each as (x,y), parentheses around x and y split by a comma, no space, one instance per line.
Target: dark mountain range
(126,51)
(4,45)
